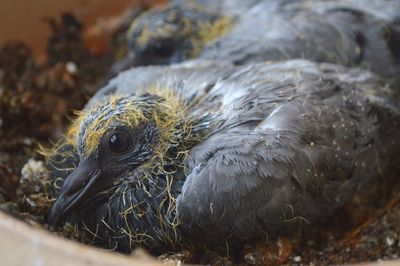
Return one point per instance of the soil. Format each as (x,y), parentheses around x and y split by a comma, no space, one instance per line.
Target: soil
(37,101)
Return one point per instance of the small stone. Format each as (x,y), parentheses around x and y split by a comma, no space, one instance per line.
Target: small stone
(32,168)
(297,259)
(71,68)
(250,259)
(27,141)
(390,241)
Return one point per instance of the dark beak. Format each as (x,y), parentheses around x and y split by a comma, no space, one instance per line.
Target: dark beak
(78,187)
(129,61)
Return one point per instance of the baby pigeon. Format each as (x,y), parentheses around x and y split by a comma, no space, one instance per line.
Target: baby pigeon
(348,32)
(217,155)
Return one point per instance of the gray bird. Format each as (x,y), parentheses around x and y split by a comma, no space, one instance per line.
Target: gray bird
(348,32)
(220,155)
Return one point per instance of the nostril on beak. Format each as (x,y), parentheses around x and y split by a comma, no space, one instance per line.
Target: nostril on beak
(73,193)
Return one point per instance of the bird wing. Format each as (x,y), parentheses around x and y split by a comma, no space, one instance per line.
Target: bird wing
(322,31)
(297,140)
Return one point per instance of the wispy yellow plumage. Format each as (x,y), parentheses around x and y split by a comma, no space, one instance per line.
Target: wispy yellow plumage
(210,31)
(166,115)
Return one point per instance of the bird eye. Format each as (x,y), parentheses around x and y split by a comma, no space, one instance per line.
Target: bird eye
(162,48)
(119,142)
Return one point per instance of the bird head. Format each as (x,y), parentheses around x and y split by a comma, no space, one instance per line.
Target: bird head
(173,34)
(130,152)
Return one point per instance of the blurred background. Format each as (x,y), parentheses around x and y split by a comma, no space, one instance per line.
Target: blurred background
(26,20)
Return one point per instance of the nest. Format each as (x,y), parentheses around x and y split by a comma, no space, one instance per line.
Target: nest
(35,103)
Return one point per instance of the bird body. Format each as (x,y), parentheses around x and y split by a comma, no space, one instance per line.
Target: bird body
(347,32)
(217,154)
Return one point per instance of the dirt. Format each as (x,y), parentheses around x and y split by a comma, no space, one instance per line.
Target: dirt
(37,101)
(36,105)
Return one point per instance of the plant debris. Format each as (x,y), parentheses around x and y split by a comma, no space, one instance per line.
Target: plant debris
(35,103)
